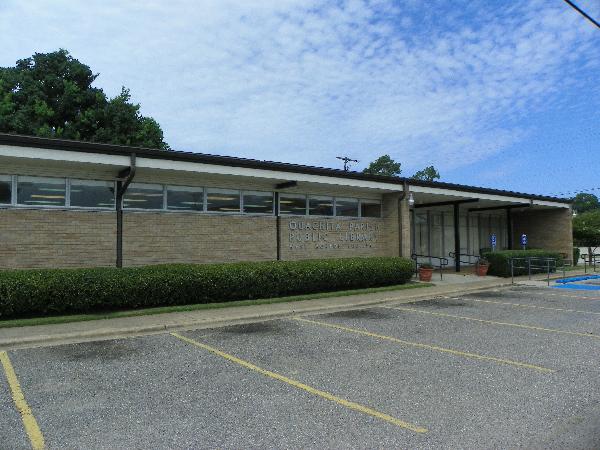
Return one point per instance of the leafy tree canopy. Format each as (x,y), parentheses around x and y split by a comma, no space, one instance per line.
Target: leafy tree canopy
(586,228)
(51,95)
(384,165)
(427,174)
(585,202)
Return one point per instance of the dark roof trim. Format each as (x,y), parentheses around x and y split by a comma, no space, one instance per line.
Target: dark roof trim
(111,149)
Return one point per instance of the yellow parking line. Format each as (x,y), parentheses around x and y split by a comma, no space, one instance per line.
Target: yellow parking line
(492,322)
(582,297)
(521,305)
(427,346)
(304,387)
(29,422)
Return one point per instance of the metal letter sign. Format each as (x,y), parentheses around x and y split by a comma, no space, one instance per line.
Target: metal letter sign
(493,241)
(524,241)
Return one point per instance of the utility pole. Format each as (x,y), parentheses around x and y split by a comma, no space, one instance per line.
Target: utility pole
(346,162)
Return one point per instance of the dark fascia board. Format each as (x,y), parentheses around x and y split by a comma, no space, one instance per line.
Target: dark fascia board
(174,155)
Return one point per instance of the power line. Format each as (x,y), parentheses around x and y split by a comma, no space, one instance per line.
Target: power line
(582,12)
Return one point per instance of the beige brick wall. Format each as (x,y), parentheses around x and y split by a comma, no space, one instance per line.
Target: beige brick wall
(154,238)
(549,229)
(32,238)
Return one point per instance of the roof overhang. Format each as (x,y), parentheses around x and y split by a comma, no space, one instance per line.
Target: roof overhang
(15,147)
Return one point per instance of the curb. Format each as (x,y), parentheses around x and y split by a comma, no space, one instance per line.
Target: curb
(126,332)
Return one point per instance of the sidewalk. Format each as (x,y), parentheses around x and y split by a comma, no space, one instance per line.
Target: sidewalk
(45,335)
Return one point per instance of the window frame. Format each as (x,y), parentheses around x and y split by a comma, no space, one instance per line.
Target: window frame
(162,208)
(242,205)
(309,197)
(11,183)
(346,199)
(372,201)
(184,211)
(296,195)
(229,213)
(91,208)
(24,205)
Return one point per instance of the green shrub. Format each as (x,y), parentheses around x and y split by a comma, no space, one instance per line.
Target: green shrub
(576,254)
(65,291)
(500,261)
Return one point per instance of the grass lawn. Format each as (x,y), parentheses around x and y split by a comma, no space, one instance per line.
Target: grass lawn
(50,320)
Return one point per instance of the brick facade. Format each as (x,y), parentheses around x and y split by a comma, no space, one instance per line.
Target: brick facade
(158,237)
(37,238)
(549,229)
(31,238)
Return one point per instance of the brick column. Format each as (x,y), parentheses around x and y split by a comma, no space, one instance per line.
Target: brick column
(405,235)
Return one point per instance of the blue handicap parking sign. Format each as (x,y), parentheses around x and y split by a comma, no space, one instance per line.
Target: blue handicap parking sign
(523,239)
(493,241)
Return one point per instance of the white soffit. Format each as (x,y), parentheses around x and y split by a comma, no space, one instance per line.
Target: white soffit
(152,163)
(484,196)
(186,166)
(14,151)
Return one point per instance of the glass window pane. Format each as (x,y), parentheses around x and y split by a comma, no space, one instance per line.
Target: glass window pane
(92,194)
(38,191)
(293,204)
(182,198)
(143,196)
(5,189)
(346,207)
(222,200)
(320,206)
(258,202)
(370,208)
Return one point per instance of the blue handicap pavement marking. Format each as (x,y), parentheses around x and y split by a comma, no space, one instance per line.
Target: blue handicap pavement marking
(571,283)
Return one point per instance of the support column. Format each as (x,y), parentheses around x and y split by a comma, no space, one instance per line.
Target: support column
(457,236)
(405,225)
(278,226)
(509,230)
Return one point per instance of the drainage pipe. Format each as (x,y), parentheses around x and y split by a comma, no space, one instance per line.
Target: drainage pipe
(124,179)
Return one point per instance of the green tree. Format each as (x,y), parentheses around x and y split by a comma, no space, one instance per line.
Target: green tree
(583,202)
(586,230)
(427,174)
(384,165)
(51,95)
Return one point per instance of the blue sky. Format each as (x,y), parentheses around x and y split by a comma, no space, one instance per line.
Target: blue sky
(493,93)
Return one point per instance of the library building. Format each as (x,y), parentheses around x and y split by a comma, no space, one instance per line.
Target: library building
(77,204)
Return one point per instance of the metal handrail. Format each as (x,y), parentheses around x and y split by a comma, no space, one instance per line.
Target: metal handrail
(478,257)
(442,262)
(548,264)
(595,257)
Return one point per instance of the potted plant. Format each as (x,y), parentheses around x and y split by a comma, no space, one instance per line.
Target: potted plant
(482,267)
(425,272)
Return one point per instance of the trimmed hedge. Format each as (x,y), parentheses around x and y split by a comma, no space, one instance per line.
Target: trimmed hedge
(500,261)
(65,291)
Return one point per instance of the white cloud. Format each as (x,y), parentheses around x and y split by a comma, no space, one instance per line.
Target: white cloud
(304,81)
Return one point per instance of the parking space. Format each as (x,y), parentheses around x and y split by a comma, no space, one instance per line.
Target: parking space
(497,369)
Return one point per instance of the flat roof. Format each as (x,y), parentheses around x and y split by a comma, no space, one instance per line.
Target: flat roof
(175,155)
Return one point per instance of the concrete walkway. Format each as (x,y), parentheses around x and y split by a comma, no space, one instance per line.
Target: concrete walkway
(45,335)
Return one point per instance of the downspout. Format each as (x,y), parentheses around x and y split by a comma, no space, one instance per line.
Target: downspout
(123,181)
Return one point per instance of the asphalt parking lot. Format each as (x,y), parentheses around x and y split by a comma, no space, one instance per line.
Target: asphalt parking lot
(499,369)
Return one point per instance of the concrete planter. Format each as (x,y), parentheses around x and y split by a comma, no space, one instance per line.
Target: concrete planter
(425,274)
(482,269)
